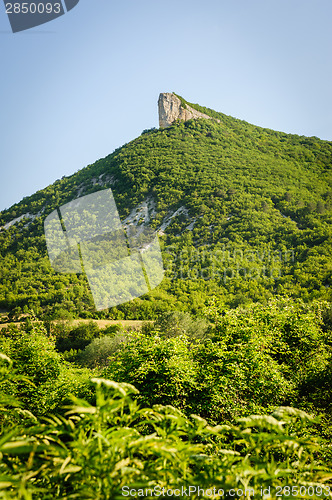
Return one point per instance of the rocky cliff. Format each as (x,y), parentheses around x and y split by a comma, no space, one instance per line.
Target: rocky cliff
(171,109)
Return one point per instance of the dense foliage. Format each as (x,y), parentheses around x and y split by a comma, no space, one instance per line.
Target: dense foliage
(230,385)
(235,399)
(103,451)
(241,374)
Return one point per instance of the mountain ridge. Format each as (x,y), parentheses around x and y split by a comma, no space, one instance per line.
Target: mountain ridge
(229,121)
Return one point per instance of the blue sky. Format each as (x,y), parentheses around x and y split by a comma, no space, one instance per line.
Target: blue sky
(84,84)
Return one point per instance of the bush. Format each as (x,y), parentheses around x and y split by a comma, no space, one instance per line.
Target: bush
(173,324)
(162,369)
(98,352)
(41,382)
(33,353)
(78,337)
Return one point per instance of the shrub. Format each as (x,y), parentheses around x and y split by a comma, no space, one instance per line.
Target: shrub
(173,324)
(98,352)
(33,353)
(162,369)
(78,337)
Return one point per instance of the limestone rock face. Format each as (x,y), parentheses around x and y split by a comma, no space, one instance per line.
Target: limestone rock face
(171,109)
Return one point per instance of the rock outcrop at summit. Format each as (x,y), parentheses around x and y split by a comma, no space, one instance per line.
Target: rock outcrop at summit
(171,109)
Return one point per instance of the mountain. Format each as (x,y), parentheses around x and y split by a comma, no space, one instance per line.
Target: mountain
(241,388)
(242,213)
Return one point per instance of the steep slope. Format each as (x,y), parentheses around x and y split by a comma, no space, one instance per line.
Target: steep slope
(242,212)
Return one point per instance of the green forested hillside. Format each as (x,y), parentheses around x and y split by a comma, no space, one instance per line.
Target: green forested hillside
(230,385)
(257,219)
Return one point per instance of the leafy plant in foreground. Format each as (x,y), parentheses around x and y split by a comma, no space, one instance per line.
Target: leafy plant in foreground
(96,450)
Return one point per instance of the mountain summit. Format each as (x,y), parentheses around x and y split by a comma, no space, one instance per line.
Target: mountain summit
(172,108)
